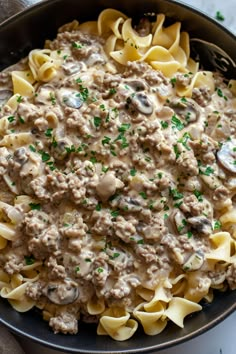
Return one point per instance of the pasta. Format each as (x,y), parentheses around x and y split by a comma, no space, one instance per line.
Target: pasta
(117,155)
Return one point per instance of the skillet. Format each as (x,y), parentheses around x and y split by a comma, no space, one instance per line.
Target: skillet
(28,30)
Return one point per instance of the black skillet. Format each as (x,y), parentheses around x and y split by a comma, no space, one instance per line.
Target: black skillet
(28,30)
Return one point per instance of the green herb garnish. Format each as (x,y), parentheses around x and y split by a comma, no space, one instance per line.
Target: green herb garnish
(35,206)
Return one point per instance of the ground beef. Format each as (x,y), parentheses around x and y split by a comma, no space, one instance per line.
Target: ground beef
(65,323)
(231,276)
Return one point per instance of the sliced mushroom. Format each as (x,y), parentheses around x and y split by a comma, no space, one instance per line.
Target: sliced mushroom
(45,94)
(70,98)
(194,262)
(227,155)
(107,185)
(72,67)
(180,222)
(63,293)
(4,96)
(20,155)
(186,109)
(141,103)
(136,85)
(129,203)
(201,224)
(95,58)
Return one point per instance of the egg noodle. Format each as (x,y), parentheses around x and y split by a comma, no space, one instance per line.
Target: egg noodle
(118,176)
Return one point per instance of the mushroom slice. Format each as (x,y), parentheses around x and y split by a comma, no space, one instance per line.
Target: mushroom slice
(136,85)
(227,155)
(107,185)
(186,109)
(142,103)
(180,222)
(72,67)
(70,98)
(201,224)
(95,58)
(45,94)
(194,262)
(62,293)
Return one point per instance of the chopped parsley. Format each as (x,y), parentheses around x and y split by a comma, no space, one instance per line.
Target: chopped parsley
(52,98)
(219,16)
(29,260)
(32,148)
(112,91)
(105,169)
(217,225)
(11,119)
(115,255)
(70,149)
(133,172)
(124,127)
(21,120)
(106,140)
(176,151)
(77,269)
(114,213)
(164,124)
(98,206)
(176,194)
(35,206)
(182,226)
(76,45)
(45,156)
(93,159)
(19,99)
(198,194)
(207,172)
(184,140)
(48,133)
(189,234)
(220,94)
(140,242)
(173,81)
(100,270)
(143,195)
(177,123)
(97,121)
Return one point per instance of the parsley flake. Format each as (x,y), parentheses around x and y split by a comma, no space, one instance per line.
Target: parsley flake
(219,16)
(133,172)
(29,260)
(35,206)
(97,121)
(177,123)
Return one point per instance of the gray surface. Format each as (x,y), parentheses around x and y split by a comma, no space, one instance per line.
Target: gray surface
(8,344)
(221,339)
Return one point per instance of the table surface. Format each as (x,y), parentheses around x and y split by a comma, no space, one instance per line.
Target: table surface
(219,340)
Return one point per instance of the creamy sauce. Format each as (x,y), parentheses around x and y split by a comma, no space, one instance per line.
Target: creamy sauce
(128,182)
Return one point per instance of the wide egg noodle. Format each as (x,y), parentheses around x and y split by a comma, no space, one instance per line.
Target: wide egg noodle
(43,64)
(222,247)
(152,319)
(117,324)
(179,308)
(22,83)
